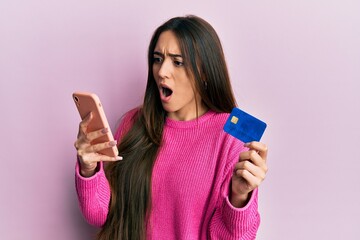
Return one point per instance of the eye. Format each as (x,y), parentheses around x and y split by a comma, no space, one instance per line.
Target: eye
(178,63)
(157,59)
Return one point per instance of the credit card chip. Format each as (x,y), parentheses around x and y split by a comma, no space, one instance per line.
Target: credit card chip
(234,120)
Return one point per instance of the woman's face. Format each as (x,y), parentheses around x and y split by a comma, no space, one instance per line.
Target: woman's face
(176,89)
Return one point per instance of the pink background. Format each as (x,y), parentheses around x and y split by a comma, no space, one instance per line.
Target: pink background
(294,64)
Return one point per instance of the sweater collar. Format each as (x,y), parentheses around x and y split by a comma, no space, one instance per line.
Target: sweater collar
(191,123)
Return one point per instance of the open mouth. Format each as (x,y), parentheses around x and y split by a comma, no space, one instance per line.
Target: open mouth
(166,91)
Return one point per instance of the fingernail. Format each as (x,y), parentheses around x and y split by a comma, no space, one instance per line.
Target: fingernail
(246,144)
(119,158)
(112,143)
(104,130)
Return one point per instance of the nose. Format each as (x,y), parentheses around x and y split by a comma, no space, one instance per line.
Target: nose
(165,69)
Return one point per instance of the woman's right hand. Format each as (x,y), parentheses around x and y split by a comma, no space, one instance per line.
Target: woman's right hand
(87,152)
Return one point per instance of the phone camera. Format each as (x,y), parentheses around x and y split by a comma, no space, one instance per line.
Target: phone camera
(76,99)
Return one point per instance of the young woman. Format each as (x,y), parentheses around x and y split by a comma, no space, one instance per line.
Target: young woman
(180,176)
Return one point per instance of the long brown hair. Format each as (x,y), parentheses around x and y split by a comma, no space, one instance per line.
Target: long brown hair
(130,179)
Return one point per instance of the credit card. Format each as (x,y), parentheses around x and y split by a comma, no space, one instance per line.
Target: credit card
(244,126)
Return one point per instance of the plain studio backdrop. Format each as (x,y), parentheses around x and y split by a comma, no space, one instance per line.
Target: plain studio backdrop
(294,64)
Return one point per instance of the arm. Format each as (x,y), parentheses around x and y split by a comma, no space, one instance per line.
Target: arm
(229,222)
(93,195)
(236,215)
(92,186)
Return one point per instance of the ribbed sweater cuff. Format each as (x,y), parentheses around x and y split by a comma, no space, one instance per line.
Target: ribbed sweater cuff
(244,220)
(88,182)
(92,187)
(94,195)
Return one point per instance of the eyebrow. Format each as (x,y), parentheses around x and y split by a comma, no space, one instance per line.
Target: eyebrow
(170,54)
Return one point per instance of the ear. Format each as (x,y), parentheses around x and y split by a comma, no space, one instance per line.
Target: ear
(205,84)
(203,78)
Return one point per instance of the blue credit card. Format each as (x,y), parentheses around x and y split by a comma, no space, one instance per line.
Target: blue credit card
(243,126)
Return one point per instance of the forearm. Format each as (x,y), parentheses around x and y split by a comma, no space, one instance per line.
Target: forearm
(230,222)
(239,200)
(93,195)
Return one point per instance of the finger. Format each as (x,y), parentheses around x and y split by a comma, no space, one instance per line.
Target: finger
(253,169)
(100,146)
(82,143)
(76,145)
(105,158)
(96,134)
(254,157)
(260,147)
(85,139)
(252,181)
(85,122)
(95,157)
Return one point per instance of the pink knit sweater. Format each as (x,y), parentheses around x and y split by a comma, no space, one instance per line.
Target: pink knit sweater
(190,185)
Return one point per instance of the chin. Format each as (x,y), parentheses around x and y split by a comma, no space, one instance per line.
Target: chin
(169,109)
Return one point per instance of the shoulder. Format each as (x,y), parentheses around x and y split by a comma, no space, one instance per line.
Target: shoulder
(230,144)
(126,121)
(220,118)
(216,122)
(130,116)
(213,128)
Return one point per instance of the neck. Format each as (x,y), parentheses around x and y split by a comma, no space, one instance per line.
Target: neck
(188,115)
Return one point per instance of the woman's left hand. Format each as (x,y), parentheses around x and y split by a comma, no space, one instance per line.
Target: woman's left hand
(249,173)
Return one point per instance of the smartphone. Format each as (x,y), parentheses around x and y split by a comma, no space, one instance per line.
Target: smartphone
(89,102)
